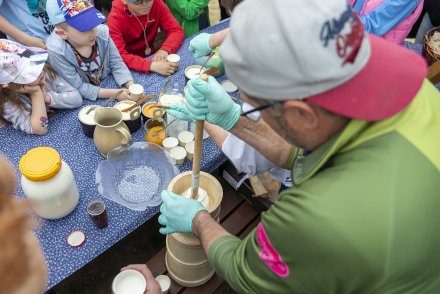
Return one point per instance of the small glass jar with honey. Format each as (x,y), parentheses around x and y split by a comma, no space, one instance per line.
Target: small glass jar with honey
(155,131)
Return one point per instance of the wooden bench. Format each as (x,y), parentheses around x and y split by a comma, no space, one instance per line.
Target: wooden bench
(237,216)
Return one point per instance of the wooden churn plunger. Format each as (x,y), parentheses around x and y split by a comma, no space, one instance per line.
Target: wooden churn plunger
(197,152)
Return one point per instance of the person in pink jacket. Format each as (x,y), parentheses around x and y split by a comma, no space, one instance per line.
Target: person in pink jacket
(391,19)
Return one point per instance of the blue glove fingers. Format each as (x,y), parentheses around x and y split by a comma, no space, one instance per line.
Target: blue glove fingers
(198,110)
(187,115)
(166,231)
(162,220)
(198,85)
(180,112)
(199,46)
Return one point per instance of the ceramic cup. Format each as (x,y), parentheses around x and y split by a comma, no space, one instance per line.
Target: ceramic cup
(164,282)
(131,118)
(185,137)
(169,143)
(179,154)
(129,282)
(189,150)
(87,120)
(174,58)
(136,91)
(192,72)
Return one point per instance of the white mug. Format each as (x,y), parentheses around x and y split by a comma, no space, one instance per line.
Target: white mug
(129,282)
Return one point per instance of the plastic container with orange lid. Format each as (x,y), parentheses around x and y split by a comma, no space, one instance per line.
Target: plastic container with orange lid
(48,183)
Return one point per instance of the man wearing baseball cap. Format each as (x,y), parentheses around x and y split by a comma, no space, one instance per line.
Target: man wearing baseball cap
(362,216)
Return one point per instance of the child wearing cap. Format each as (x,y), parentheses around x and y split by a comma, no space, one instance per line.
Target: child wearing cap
(28,84)
(25,21)
(133,27)
(192,15)
(81,50)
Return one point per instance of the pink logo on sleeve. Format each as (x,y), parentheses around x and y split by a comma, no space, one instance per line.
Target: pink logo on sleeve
(269,254)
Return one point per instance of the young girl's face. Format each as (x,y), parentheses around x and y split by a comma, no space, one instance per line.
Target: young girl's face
(140,7)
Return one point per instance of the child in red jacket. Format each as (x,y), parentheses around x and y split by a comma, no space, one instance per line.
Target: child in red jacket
(133,27)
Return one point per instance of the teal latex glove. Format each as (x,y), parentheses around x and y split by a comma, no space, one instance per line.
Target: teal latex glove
(199,46)
(217,104)
(194,109)
(177,213)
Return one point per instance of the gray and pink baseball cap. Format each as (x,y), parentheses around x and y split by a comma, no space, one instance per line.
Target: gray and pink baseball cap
(318,51)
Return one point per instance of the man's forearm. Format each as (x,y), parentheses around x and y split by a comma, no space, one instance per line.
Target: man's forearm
(264,139)
(216,39)
(207,229)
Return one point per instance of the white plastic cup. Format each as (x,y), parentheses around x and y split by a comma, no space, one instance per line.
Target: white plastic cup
(174,58)
(129,282)
(164,282)
(185,137)
(179,154)
(169,143)
(189,150)
(136,91)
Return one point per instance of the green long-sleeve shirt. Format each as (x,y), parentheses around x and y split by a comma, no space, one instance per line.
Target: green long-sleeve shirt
(187,13)
(363,216)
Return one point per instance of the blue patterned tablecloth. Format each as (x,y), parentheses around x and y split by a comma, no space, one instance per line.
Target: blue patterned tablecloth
(79,152)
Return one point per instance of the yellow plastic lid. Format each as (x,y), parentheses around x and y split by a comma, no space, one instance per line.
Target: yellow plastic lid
(40,164)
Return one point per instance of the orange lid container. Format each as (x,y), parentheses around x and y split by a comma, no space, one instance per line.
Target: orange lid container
(40,164)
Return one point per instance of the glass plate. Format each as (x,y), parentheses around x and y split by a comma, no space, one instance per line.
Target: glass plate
(135,176)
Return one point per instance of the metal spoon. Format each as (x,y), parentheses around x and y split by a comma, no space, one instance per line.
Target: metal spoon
(206,61)
(162,130)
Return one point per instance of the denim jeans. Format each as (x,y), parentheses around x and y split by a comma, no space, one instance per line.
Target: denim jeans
(425,26)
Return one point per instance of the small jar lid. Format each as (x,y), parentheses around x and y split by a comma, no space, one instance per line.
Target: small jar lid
(40,164)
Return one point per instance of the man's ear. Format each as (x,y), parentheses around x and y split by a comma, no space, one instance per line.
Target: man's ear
(302,113)
(60,32)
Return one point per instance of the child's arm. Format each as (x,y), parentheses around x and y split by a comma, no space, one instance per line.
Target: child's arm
(174,32)
(32,118)
(190,9)
(10,30)
(107,93)
(39,120)
(68,72)
(61,94)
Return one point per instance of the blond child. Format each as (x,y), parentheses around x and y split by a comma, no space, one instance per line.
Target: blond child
(28,85)
(81,50)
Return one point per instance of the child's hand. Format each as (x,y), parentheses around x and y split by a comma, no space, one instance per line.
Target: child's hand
(161,55)
(29,89)
(128,84)
(164,67)
(125,95)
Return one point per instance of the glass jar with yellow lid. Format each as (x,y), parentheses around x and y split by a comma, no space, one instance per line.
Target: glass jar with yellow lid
(48,183)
